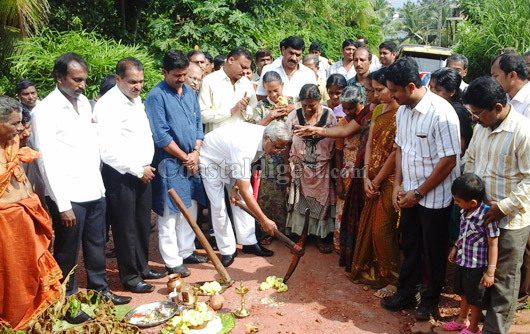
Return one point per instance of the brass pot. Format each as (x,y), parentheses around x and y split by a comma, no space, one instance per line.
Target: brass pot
(174,282)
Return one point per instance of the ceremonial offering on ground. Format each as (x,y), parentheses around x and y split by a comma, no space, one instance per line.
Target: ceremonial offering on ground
(243,312)
(152,314)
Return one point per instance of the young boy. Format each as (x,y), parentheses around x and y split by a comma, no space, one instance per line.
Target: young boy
(475,252)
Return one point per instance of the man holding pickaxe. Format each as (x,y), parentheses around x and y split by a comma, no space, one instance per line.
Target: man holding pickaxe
(226,156)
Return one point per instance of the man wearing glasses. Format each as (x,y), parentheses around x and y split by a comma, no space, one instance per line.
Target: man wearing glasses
(226,156)
(499,154)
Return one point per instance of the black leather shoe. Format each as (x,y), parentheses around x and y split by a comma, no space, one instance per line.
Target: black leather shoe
(227,260)
(141,287)
(154,274)
(258,250)
(426,313)
(398,302)
(196,258)
(115,299)
(182,270)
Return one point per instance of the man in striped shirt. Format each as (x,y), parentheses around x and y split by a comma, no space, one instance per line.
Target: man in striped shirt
(428,143)
(499,153)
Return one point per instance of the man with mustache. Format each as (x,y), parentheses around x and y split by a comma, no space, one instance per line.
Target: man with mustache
(362,59)
(294,75)
(66,136)
(126,146)
(175,121)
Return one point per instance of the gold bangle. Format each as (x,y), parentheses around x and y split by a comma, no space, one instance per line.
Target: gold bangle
(324,130)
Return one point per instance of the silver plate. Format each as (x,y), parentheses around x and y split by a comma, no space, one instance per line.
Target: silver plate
(170,309)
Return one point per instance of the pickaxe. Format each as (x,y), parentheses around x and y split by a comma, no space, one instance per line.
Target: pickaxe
(297,249)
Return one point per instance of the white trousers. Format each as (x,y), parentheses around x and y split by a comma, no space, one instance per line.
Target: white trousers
(244,225)
(176,239)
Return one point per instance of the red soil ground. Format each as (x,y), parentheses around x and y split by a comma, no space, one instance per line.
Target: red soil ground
(321,298)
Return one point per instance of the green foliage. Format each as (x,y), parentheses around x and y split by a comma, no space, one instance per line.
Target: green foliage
(218,26)
(35,56)
(320,20)
(215,26)
(18,18)
(490,29)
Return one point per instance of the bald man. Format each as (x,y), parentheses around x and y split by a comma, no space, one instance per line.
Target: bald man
(194,77)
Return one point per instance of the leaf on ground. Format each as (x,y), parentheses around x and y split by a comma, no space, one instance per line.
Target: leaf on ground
(89,309)
(120,311)
(229,322)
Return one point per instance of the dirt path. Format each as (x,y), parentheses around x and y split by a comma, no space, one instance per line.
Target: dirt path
(321,299)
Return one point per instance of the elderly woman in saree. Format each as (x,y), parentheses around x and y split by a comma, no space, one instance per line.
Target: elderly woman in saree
(273,180)
(29,275)
(349,156)
(310,160)
(376,255)
(355,130)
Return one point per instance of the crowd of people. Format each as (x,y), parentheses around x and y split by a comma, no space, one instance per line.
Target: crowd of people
(399,179)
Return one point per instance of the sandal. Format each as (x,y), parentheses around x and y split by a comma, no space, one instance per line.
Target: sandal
(387,291)
(455,326)
(324,247)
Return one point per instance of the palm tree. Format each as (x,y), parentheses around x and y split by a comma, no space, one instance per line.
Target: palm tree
(23,16)
(19,19)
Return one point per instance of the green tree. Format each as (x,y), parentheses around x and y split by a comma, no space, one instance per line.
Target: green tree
(18,19)
(491,28)
(35,56)
(426,22)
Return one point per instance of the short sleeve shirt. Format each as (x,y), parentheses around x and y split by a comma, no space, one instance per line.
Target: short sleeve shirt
(426,133)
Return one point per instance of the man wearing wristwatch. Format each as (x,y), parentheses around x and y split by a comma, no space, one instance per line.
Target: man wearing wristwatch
(428,149)
(175,120)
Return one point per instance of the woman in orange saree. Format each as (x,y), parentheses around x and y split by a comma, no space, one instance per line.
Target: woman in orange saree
(376,255)
(29,276)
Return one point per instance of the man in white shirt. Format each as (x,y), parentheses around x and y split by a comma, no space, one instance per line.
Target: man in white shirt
(509,70)
(226,95)
(428,147)
(225,160)
(126,147)
(66,136)
(459,63)
(294,75)
(345,65)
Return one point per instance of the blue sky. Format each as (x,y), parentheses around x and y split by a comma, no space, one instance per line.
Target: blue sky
(397,3)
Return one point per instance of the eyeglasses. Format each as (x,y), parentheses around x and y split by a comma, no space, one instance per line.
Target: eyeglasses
(477,116)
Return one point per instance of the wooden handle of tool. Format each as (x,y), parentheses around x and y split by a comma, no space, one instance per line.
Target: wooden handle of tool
(225,276)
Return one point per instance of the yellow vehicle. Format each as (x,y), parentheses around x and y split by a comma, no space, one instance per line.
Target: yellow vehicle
(429,58)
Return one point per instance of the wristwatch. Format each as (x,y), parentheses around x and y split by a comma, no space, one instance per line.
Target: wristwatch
(417,194)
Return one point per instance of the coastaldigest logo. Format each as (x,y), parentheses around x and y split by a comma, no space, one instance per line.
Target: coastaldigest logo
(170,168)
